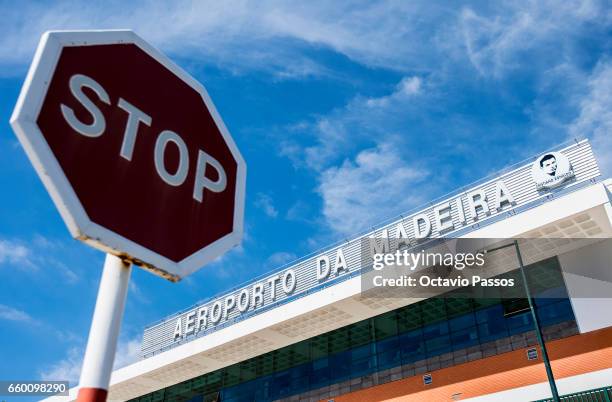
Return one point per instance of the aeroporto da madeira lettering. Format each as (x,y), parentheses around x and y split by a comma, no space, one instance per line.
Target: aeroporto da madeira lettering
(253,297)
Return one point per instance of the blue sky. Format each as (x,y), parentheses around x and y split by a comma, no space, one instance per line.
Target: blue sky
(346,113)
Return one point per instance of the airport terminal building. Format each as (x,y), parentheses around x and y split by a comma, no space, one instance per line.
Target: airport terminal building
(307,331)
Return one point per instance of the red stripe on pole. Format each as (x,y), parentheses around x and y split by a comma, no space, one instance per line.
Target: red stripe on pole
(92,395)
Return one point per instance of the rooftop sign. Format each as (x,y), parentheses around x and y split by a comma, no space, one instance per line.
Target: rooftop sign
(497,197)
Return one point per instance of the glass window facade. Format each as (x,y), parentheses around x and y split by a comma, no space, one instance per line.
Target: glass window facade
(407,336)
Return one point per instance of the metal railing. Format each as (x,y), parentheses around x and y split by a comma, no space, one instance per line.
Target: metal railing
(594,395)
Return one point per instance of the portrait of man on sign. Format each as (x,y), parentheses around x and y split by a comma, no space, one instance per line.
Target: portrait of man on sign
(549,164)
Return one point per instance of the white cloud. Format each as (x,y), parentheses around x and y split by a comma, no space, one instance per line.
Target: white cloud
(521,33)
(15,253)
(39,252)
(65,336)
(280,258)
(300,211)
(264,35)
(13,314)
(69,275)
(128,352)
(67,369)
(137,293)
(534,37)
(375,185)
(339,133)
(429,44)
(408,86)
(44,242)
(266,204)
(595,118)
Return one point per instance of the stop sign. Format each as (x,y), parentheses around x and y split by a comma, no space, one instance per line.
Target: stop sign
(132,151)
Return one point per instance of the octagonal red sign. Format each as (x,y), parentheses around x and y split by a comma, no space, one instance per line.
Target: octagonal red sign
(132,151)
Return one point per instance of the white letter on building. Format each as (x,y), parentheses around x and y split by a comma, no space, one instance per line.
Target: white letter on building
(322,267)
(381,248)
(216,312)
(258,294)
(272,282)
(477,199)
(442,215)
(416,222)
(230,302)
(340,263)
(243,300)
(190,322)
(201,324)
(502,195)
(460,212)
(402,235)
(289,281)
(178,329)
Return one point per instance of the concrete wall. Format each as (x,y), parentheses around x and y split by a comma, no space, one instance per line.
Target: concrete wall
(591,290)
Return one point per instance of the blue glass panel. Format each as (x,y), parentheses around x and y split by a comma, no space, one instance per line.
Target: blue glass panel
(319,378)
(248,388)
(519,323)
(412,346)
(434,330)
(280,385)
(464,338)
(238,393)
(361,352)
(320,363)
(495,312)
(490,331)
(438,345)
(262,391)
(555,313)
(303,370)
(388,344)
(299,377)
(551,296)
(245,398)
(388,359)
(231,392)
(320,373)
(462,322)
(299,385)
(340,366)
(362,367)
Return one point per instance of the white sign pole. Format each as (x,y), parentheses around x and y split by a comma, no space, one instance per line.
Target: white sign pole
(104,331)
